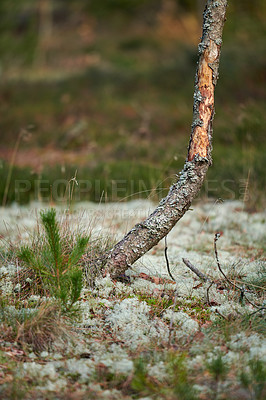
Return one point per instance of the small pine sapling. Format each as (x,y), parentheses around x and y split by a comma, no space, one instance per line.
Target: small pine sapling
(58,269)
(218,368)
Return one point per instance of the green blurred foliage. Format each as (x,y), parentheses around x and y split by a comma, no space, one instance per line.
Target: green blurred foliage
(18,28)
(20,20)
(133,106)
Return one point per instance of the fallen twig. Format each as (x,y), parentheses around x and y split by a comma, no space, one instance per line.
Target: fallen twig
(221,315)
(195,270)
(255,312)
(207,293)
(242,290)
(216,237)
(166,259)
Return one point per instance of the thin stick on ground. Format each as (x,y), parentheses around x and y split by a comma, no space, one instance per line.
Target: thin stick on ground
(202,277)
(216,237)
(221,315)
(242,290)
(195,270)
(207,293)
(166,259)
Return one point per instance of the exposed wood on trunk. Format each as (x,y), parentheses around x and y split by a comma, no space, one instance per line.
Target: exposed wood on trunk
(148,233)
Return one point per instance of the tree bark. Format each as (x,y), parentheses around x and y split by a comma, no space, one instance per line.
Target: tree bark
(149,232)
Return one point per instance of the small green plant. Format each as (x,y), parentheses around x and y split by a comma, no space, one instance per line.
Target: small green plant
(157,304)
(142,383)
(57,268)
(218,368)
(254,380)
(139,383)
(178,372)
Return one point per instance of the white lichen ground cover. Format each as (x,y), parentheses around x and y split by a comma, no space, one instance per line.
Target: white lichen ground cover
(149,338)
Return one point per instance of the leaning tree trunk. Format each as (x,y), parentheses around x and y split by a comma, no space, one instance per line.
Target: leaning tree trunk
(148,233)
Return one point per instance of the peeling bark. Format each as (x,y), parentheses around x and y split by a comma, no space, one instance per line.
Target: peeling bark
(148,233)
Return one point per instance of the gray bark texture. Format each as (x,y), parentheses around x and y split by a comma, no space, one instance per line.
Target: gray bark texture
(149,232)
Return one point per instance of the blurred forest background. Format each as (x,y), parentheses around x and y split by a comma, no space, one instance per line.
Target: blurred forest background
(102,90)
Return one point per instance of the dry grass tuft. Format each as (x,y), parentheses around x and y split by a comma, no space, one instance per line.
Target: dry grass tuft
(6,332)
(44,328)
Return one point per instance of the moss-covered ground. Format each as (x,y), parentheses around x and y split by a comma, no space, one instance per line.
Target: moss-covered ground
(146,336)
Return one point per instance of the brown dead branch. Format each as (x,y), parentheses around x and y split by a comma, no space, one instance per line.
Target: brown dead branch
(241,289)
(195,270)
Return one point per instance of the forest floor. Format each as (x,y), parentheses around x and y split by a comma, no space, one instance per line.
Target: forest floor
(148,336)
